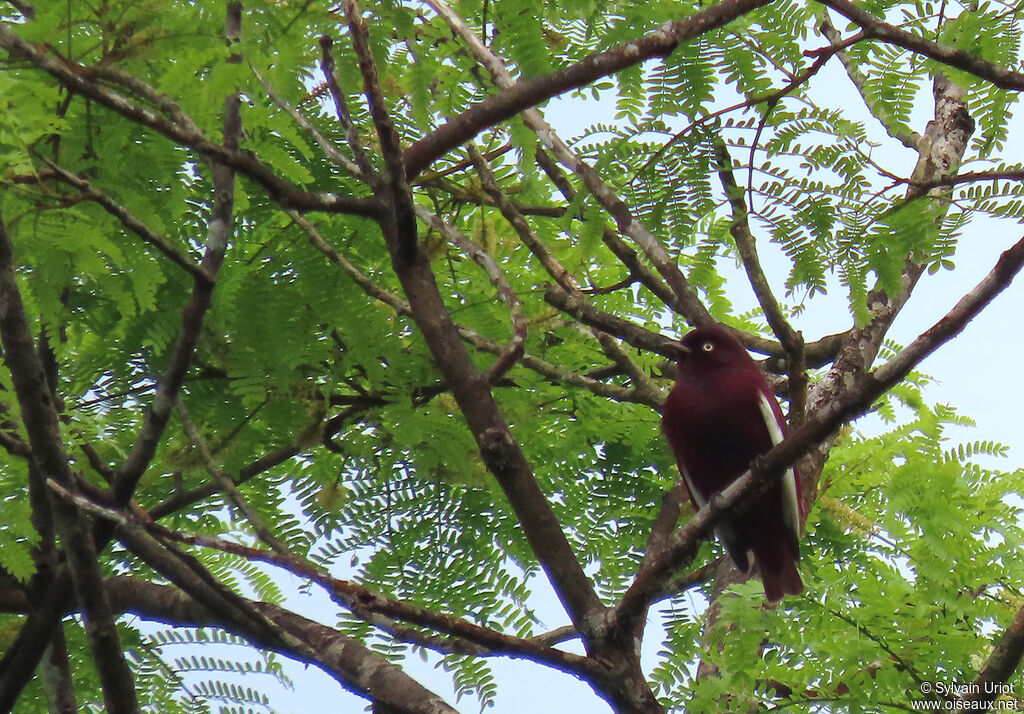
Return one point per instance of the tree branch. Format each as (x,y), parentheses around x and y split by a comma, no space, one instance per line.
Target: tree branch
(341,108)
(227,484)
(326,145)
(875,28)
(356,667)
(486,344)
(513,351)
(122,214)
(1002,662)
(791,340)
(499,449)
(526,93)
(49,457)
(686,299)
(909,139)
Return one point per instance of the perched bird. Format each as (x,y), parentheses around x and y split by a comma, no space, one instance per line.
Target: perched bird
(719,417)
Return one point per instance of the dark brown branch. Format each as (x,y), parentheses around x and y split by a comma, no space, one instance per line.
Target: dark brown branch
(746,245)
(49,457)
(499,449)
(26,9)
(580,308)
(675,586)
(528,92)
(845,406)
(1007,174)
(876,28)
(512,215)
(22,657)
(556,270)
(394,175)
(365,603)
(329,148)
(1002,662)
(55,672)
(185,571)
(356,667)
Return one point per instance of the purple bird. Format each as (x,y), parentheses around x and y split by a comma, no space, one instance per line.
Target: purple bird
(719,417)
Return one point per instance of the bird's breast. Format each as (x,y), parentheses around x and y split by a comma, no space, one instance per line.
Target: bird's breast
(715,426)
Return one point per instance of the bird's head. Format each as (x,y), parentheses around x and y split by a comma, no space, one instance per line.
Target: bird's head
(707,347)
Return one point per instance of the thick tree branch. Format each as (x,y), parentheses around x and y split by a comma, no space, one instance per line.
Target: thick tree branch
(1002,662)
(517,96)
(50,459)
(577,306)
(876,28)
(356,667)
(394,174)
(499,449)
(372,607)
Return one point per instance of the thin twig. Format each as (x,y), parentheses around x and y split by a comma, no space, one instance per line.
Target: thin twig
(791,340)
(515,348)
(326,145)
(341,109)
(227,484)
(909,139)
(129,221)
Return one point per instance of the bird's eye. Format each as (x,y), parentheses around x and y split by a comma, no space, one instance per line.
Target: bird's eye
(708,346)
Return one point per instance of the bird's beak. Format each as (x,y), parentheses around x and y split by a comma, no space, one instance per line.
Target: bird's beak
(676,349)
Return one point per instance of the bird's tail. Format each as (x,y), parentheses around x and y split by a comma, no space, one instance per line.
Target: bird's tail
(778,573)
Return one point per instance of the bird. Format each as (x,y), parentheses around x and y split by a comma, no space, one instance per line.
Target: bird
(720,416)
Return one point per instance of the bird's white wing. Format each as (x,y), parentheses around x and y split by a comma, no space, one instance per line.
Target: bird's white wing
(790,504)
